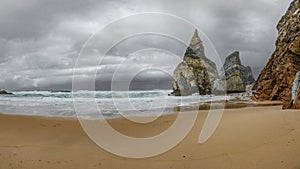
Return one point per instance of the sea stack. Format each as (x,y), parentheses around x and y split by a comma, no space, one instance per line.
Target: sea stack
(276,80)
(197,46)
(236,75)
(196,73)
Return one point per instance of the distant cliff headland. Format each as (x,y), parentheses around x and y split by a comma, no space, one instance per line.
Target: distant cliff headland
(4,92)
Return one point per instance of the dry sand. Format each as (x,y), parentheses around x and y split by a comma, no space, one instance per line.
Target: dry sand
(247,138)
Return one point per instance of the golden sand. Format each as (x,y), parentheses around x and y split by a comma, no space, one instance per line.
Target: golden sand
(247,138)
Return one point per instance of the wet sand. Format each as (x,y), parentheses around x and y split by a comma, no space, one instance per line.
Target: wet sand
(247,138)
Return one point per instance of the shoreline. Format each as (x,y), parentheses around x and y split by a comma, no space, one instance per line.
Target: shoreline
(221,104)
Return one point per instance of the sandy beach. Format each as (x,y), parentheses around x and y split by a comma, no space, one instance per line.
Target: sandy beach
(247,138)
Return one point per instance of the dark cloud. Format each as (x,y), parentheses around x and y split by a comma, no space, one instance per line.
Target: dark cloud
(40,40)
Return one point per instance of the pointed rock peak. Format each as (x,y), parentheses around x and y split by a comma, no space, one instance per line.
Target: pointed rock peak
(196,36)
(233,58)
(197,45)
(189,51)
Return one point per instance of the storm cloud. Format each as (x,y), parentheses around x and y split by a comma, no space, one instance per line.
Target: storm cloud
(41,40)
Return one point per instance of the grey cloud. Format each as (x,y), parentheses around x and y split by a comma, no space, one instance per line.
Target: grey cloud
(40,40)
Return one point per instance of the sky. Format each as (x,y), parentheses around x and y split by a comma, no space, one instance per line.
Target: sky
(40,41)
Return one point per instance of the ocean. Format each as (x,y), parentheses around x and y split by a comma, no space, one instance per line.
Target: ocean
(109,103)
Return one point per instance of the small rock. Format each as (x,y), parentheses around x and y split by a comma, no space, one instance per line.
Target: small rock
(5,92)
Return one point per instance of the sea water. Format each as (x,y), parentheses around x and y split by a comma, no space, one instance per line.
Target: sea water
(108,103)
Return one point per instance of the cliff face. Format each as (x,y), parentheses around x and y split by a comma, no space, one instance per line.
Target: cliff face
(276,79)
(196,73)
(236,75)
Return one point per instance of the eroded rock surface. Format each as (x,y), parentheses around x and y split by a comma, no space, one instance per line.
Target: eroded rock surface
(236,75)
(196,73)
(276,79)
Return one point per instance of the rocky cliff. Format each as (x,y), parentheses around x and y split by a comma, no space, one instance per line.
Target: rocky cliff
(236,75)
(276,79)
(196,73)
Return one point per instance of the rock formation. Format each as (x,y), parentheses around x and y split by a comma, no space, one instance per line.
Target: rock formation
(197,46)
(294,102)
(276,79)
(237,76)
(196,74)
(5,92)
(296,86)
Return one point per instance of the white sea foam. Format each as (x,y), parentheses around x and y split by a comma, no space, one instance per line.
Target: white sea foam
(60,104)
